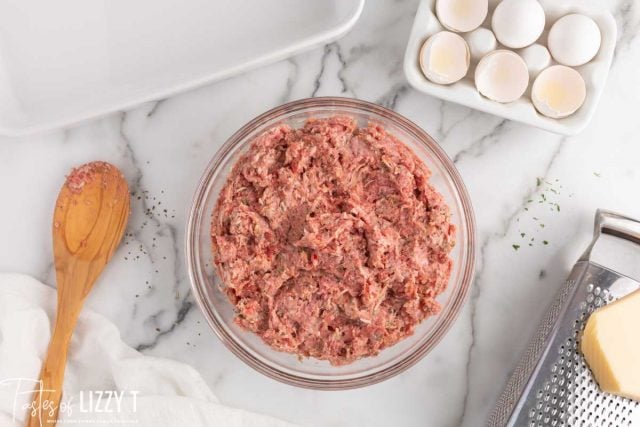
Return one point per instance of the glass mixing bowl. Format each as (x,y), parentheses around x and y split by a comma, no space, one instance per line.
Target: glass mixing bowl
(310,372)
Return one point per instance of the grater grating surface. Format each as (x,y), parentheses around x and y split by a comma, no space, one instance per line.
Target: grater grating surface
(568,394)
(552,385)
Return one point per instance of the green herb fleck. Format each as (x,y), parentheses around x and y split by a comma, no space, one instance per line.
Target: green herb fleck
(597,174)
(522,235)
(515,247)
(544,242)
(538,182)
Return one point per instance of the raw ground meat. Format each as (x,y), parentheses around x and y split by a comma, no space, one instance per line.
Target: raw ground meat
(330,241)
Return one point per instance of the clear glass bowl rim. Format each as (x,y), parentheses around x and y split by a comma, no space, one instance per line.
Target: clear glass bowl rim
(196,212)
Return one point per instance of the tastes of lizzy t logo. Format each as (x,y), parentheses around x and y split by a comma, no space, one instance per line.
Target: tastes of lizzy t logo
(88,402)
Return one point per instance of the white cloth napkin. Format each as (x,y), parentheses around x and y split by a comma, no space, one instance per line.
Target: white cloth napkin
(145,391)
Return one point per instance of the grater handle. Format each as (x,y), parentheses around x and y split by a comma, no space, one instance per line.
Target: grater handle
(613,224)
(617,225)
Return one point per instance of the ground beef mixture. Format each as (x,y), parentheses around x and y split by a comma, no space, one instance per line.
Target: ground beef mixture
(330,241)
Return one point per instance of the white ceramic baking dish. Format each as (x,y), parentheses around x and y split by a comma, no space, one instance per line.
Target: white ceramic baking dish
(65,61)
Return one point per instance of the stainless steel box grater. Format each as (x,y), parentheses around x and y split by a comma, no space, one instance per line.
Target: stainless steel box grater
(552,385)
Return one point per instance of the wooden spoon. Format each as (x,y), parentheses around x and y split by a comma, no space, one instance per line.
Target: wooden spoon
(88,223)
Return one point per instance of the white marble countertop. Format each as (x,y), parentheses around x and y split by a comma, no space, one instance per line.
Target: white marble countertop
(163,147)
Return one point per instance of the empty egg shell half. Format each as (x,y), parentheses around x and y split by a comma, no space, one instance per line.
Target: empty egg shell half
(558,91)
(461,15)
(444,58)
(502,76)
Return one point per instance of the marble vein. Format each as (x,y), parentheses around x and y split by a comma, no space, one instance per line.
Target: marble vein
(477,147)
(390,99)
(184,309)
(154,108)
(487,241)
(445,131)
(627,15)
(160,229)
(292,77)
(329,50)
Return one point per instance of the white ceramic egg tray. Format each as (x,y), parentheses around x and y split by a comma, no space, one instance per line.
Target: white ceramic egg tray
(464,91)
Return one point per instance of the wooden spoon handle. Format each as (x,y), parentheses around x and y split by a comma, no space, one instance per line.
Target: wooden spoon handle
(46,398)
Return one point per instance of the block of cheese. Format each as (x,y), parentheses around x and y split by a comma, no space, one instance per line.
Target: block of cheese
(611,346)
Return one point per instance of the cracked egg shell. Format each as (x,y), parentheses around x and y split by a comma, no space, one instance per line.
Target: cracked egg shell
(461,15)
(444,58)
(558,91)
(502,76)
